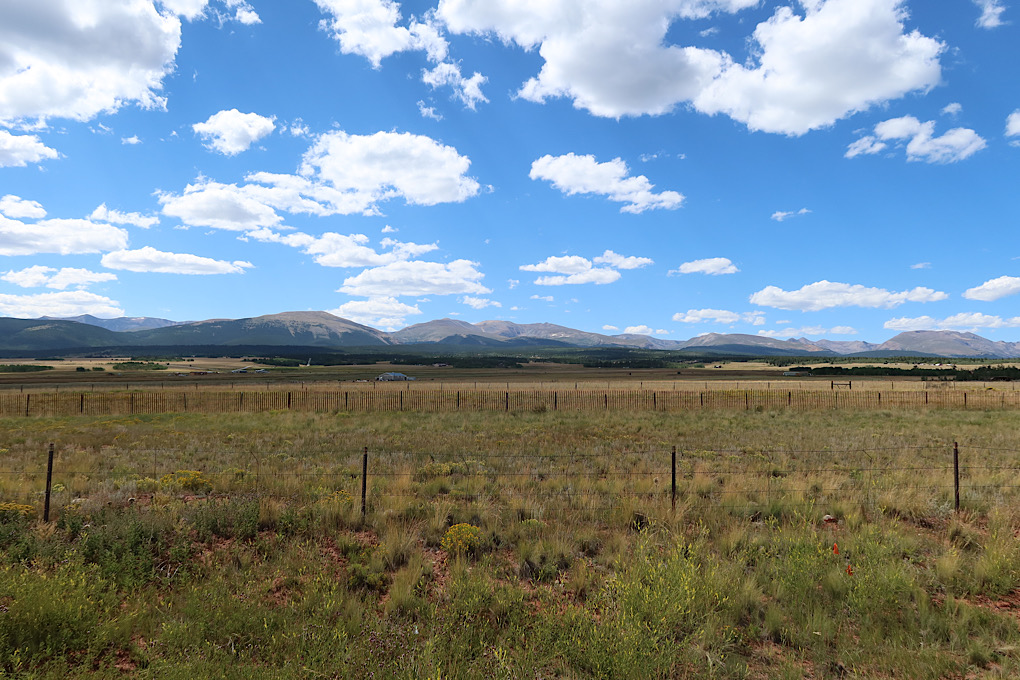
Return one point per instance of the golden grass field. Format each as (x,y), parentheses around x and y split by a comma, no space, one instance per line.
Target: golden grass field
(217,373)
(522,543)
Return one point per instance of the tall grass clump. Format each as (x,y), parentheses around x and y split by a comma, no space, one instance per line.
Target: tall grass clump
(71,611)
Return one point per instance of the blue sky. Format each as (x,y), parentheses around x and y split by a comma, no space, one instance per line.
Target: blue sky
(824,168)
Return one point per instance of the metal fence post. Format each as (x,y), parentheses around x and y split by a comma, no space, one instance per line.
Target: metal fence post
(673,488)
(956,475)
(364,481)
(49,484)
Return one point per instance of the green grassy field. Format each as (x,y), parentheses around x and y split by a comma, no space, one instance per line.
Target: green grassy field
(512,545)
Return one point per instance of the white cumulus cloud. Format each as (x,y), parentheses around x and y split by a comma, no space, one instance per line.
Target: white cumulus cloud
(187,9)
(991,13)
(17,151)
(73,59)
(150,260)
(786,333)
(104,214)
(573,174)
(720,316)
(713,266)
(427,111)
(783,215)
(467,90)
(244,13)
(58,279)
(617,261)
(16,207)
(568,264)
(340,174)
(62,304)
(808,70)
(478,303)
(921,143)
(1013,125)
(370,28)
(994,289)
(576,270)
(387,313)
(596,275)
(222,206)
(388,165)
(827,294)
(417,278)
(344,250)
(644,330)
(838,58)
(59,236)
(231,132)
(962,321)
(236,10)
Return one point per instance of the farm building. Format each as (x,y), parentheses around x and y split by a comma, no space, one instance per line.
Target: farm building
(393,377)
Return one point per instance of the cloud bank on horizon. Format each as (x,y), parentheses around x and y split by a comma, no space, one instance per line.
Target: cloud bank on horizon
(648,158)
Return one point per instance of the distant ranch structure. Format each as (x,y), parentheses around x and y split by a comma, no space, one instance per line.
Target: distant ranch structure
(393,377)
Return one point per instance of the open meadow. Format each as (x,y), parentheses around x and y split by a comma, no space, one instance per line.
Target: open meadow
(92,375)
(525,543)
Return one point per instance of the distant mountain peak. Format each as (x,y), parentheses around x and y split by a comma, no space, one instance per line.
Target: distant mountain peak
(323,329)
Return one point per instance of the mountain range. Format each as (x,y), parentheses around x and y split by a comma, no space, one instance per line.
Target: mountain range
(321,329)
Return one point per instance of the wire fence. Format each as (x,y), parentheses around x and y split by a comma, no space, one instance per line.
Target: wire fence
(922,481)
(441,400)
(44,383)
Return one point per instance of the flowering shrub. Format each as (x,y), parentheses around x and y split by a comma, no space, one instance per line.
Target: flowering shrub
(433,470)
(186,480)
(338,497)
(9,511)
(462,538)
